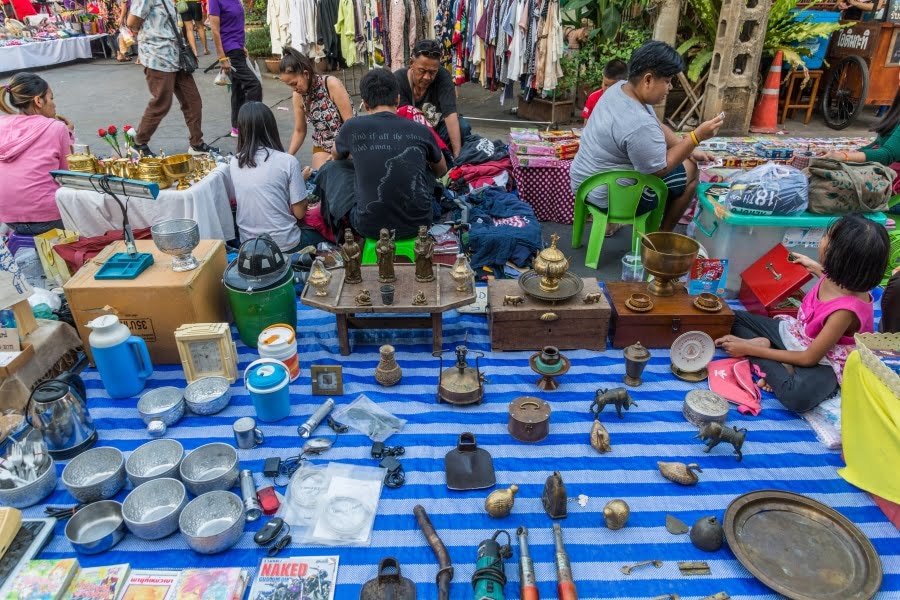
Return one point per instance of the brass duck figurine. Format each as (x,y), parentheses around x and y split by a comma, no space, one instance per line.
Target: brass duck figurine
(680,472)
(499,503)
(600,437)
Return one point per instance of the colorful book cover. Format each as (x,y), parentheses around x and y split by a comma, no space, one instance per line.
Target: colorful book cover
(297,578)
(149,585)
(210,584)
(44,580)
(98,583)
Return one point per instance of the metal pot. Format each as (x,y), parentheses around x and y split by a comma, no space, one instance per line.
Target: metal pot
(58,410)
(529,419)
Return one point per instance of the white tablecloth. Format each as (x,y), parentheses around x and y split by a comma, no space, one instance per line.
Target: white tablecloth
(207,202)
(41,54)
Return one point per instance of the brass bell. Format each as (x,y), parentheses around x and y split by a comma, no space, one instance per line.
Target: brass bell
(499,503)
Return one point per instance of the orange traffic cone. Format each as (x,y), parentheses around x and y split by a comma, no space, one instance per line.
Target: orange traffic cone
(765,115)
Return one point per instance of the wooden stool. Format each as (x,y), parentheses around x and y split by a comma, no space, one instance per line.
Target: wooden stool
(791,102)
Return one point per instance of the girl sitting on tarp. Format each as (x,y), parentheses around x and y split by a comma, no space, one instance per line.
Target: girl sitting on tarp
(801,359)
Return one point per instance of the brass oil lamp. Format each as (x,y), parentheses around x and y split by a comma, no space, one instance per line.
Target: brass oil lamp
(461,384)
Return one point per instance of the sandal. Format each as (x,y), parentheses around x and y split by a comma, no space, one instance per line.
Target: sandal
(612,229)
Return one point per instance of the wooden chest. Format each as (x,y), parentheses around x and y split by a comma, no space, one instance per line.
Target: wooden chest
(569,325)
(671,316)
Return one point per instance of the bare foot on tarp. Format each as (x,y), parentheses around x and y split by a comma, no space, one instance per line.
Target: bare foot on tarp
(764,385)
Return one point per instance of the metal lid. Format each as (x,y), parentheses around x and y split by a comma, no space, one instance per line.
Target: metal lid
(50,391)
(637,352)
(528,409)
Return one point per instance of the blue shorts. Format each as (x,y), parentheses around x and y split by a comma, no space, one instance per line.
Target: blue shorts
(676,181)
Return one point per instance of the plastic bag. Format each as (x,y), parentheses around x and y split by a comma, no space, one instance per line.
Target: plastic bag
(367,417)
(770,189)
(254,67)
(307,483)
(222,78)
(126,36)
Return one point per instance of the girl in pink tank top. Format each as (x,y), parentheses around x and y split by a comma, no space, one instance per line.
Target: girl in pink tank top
(801,360)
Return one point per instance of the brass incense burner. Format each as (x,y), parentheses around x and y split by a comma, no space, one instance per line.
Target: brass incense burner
(551,264)
(460,384)
(667,256)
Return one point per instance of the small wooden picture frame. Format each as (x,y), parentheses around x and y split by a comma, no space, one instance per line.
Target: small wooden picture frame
(327,380)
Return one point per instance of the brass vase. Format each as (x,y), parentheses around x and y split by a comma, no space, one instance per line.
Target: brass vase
(319,277)
(462,274)
(636,357)
(388,372)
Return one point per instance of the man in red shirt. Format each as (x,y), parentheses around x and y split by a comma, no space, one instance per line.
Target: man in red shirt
(615,70)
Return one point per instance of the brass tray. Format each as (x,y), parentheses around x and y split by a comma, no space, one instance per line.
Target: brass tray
(801,548)
(569,285)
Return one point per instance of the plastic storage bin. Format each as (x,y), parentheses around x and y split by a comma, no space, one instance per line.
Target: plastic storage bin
(818,46)
(743,239)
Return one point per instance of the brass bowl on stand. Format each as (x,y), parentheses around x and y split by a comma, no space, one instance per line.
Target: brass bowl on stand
(667,256)
(178,167)
(151,169)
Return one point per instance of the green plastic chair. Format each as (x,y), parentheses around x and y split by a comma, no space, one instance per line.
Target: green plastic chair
(623,203)
(405,248)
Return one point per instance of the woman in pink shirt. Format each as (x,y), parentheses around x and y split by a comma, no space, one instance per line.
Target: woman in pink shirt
(34,140)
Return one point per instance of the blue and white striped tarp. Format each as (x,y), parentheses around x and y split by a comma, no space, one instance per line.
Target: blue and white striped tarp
(781,452)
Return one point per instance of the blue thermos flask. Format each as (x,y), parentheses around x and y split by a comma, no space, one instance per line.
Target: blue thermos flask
(121,358)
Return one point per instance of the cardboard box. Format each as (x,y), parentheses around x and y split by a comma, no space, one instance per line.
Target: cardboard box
(157,302)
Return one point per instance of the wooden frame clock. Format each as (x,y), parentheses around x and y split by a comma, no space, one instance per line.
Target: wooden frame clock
(206,350)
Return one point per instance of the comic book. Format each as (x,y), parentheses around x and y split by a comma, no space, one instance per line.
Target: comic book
(44,580)
(210,584)
(149,585)
(98,583)
(297,578)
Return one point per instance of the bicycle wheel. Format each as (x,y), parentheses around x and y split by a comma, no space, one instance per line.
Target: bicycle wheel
(846,89)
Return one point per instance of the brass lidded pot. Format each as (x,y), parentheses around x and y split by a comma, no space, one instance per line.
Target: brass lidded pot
(151,169)
(82,163)
(551,264)
(636,357)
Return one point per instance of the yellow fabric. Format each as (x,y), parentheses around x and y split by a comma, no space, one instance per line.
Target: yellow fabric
(345,27)
(870,417)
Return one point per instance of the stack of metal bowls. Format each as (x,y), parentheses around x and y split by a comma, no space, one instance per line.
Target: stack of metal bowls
(152,509)
(210,467)
(97,474)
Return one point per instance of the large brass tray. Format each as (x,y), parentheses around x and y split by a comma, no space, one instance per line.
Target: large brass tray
(569,285)
(801,548)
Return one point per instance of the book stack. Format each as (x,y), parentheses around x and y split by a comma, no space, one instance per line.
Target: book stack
(534,148)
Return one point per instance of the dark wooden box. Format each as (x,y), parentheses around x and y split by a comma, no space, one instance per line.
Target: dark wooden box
(578,326)
(671,316)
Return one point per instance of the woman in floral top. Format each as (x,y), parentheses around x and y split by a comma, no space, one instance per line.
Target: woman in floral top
(320,101)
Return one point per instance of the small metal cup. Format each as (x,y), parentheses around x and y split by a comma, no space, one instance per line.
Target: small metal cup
(387,294)
(246,434)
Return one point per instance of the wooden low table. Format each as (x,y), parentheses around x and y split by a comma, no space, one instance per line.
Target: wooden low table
(340,299)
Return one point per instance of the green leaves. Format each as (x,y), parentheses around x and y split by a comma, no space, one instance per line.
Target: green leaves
(698,64)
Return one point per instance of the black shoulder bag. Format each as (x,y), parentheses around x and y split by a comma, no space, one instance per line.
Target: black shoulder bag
(187,62)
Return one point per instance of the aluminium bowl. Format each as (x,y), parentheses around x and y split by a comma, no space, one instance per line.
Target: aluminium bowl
(164,404)
(176,236)
(152,509)
(208,395)
(96,528)
(210,467)
(153,460)
(97,474)
(213,522)
(34,491)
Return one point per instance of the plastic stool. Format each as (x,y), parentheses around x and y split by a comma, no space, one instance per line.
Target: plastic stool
(17,241)
(405,248)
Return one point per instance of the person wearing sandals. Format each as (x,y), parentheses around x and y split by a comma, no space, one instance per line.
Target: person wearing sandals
(320,102)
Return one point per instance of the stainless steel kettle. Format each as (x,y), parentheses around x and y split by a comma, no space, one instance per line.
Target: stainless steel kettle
(58,409)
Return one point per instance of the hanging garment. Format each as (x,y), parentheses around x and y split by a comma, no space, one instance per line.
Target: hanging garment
(328,38)
(345,28)
(551,70)
(410,30)
(278,18)
(397,18)
(302,26)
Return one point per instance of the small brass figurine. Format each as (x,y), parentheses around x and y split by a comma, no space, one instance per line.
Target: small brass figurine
(319,277)
(592,298)
(680,472)
(385,250)
(512,300)
(352,258)
(617,396)
(600,437)
(419,299)
(364,298)
(713,433)
(462,274)
(554,497)
(616,513)
(424,250)
(387,371)
(499,503)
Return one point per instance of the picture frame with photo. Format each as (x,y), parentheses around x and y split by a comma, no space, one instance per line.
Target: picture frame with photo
(327,380)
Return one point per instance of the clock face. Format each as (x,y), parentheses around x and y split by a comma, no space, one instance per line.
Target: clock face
(205,356)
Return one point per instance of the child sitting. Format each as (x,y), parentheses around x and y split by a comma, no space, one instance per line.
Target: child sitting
(801,360)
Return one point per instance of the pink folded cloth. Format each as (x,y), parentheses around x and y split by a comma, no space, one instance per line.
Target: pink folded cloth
(731,378)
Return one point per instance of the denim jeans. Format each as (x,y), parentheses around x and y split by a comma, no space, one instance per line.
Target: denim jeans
(36,228)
